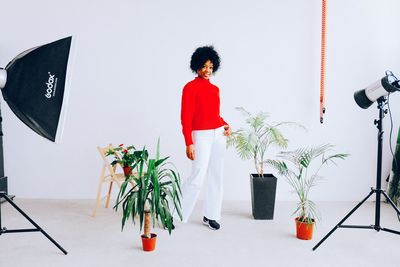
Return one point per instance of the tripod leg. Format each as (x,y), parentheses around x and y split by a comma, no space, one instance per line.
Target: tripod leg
(396,209)
(32,222)
(391,202)
(343,220)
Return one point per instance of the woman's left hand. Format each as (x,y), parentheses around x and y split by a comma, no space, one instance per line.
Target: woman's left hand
(227,130)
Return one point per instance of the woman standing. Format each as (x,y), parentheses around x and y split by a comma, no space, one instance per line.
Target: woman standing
(205,134)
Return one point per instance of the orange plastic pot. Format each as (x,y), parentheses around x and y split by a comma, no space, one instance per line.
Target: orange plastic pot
(304,230)
(149,244)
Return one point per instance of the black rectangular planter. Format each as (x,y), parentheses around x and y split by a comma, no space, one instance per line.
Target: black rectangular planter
(263,192)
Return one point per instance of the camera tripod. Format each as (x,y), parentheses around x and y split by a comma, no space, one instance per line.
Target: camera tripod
(4,230)
(378,191)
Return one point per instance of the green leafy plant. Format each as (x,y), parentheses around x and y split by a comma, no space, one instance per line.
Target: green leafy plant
(394,183)
(253,141)
(153,188)
(295,167)
(125,156)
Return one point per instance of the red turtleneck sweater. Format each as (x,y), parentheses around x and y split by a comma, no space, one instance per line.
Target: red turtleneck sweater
(200,108)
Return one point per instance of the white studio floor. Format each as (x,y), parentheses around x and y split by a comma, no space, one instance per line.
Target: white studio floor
(242,241)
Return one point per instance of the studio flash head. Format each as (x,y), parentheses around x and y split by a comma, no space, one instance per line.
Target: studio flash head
(388,84)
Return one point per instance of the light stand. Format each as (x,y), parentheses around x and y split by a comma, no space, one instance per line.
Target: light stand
(34,85)
(3,195)
(3,179)
(4,230)
(382,101)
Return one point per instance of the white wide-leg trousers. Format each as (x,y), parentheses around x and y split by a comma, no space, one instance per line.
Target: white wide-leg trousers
(209,149)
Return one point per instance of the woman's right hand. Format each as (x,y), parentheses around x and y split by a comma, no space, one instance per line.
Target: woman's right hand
(190,152)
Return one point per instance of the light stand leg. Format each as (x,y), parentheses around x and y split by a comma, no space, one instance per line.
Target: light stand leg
(395,208)
(343,220)
(391,202)
(37,229)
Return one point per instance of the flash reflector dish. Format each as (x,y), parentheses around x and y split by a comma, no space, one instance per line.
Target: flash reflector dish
(366,97)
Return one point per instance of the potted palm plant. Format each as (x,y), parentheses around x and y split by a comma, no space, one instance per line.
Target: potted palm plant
(295,166)
(154,189)
(253,142)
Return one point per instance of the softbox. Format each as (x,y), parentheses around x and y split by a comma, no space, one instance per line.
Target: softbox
(34,87)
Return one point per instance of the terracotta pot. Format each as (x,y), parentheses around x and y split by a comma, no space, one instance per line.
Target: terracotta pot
(127,170)
(149,244)
(304,230)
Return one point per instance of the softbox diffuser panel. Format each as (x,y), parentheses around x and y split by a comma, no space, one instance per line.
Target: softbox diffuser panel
(36,84)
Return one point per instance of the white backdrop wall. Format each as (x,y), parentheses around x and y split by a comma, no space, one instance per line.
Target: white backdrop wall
(132,60)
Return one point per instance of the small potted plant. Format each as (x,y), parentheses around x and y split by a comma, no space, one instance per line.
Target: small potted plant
(155,189)
(124,156)
(295,166)
(253,142)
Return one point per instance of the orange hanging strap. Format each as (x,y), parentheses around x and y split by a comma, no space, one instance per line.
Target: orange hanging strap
(323,60)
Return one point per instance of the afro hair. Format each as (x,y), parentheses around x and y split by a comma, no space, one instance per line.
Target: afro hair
(200,57)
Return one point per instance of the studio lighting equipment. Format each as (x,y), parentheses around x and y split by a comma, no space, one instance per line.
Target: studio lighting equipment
(34,85)
(378,92)
(388,84)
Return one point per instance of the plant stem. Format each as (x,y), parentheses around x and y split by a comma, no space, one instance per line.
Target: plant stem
(147,223)
(256,165)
